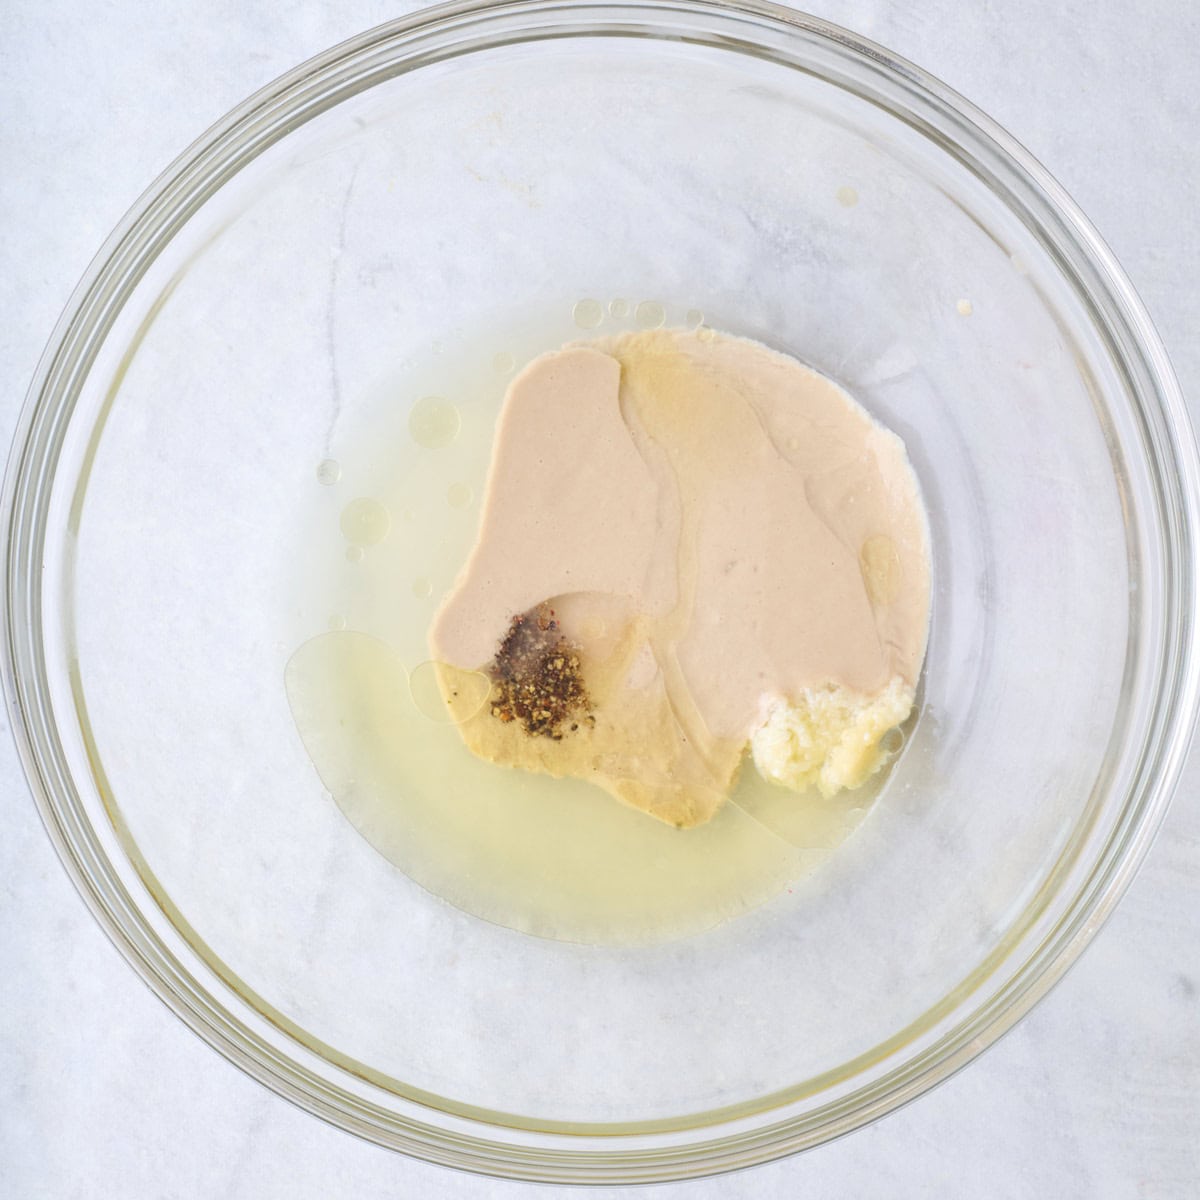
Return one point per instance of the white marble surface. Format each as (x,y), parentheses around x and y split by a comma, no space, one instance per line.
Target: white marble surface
(103,1093)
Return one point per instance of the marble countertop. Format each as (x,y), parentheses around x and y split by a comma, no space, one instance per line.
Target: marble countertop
(104,1093)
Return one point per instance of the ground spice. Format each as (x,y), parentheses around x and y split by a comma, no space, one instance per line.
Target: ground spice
(536,677)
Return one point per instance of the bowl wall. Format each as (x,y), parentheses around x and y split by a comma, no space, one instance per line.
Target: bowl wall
(460,181)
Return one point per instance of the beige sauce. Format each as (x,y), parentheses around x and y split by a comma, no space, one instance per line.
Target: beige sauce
(723,536)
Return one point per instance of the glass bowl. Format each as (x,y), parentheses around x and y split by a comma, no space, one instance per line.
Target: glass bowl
(428,191)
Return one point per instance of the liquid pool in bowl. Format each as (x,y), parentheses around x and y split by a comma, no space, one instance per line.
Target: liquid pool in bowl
(481,164)
(393,517)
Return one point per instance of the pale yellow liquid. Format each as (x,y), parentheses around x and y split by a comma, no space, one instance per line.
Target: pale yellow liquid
(556,858)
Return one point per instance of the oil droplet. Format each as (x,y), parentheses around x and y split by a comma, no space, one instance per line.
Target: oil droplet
(892,742)
(337,623)
(705,334)
(354,554)
(965,308)
(422,589)
(588,314)
(650,314)
(880,566)
(459,495)
(694,318)
(847,197)
(365,522)
(466,693)
(329,471)
(619,308)
(503,363)
(434,422)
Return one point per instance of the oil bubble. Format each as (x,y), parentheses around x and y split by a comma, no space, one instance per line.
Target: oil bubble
(588,314)
(434,422)
(365,522)
(650,314)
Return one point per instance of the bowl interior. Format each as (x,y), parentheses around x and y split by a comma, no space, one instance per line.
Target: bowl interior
(392,246)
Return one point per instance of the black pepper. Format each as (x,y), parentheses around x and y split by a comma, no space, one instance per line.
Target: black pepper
(536,676)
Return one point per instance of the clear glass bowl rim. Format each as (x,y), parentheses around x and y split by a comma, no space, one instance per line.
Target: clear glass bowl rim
(406,44)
